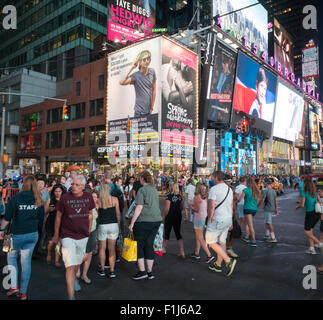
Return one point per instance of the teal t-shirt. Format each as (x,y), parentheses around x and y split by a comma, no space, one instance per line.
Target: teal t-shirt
(309,201)
(250,203)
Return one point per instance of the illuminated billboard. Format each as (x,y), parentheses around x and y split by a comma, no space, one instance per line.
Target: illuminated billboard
(251,23)
(130,20)
(314,127)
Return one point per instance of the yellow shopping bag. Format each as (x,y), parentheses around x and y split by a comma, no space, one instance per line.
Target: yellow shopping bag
(129,248)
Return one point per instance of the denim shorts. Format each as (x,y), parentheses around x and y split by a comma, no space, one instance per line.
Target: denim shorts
(240,211)
(217,231)
(268,217)
(199,224)
(248,211)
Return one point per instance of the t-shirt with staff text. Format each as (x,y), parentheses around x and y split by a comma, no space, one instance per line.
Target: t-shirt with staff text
(75,215)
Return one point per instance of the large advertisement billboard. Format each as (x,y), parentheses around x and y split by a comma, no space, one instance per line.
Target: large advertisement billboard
(255,92)
(134,75)
(288,114)
(303,139)
(130,20)
(251,23)
(179,94)
(314,127)
(218,76)
(283,47)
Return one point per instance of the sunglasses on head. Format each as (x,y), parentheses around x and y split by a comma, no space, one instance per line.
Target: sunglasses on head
(146,59)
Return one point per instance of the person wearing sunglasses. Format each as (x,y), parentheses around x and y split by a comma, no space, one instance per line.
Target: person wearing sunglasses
(144,81)
(73,225)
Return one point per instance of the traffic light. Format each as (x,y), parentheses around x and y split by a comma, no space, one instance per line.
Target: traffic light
(244,125)
(128,125)
(65,112)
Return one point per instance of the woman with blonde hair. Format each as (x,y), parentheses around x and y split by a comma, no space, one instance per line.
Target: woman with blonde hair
(26,213)
(199,207)
(252,200)
(173,217)
(108,228)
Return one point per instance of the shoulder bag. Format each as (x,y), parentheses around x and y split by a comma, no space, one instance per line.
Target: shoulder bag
(7,245)
(218,205)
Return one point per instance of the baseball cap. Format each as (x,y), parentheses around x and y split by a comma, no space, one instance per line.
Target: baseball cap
(269,181)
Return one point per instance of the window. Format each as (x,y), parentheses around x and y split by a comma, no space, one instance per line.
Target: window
(13,117)
(76,111)
(101,82)
(54,140)
(78,88)
(75,137)
(32,121)
(14,89)
(54,115)
(31,141)
(97,135)
(96,107)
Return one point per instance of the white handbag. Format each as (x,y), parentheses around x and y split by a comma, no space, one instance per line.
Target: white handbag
(318,207)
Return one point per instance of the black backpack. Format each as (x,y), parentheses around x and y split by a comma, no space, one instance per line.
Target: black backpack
(118,194)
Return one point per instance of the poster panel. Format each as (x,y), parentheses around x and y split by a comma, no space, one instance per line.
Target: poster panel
(179,94)
(288,114)
(130,20)
(314,127)
(134,92)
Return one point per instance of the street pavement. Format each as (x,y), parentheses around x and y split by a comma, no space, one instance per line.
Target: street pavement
(268,271)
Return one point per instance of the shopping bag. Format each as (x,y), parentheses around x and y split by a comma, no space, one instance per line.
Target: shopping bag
(119,244)
(318,207)
(158,242)
(129,249)
(131,211)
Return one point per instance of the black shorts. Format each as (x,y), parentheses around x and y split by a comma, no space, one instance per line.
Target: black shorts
(311,219)
(321,226)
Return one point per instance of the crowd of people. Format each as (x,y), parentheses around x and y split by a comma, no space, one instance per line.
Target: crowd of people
(76,217)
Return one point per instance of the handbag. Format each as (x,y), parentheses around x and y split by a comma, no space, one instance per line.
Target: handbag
(236,229)
(218,205)
(131,210)
(119,243)
(7,245)
(129,248)
(159,239)
(318,207)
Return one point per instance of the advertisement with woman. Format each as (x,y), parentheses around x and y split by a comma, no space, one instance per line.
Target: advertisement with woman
(314,126)
(179,92)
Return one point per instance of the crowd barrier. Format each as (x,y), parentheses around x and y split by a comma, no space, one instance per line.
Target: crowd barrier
(8,193)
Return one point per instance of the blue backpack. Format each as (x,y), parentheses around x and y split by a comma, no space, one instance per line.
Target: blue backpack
(1,208)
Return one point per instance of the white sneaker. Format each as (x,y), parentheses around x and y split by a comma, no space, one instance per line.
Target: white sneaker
(231,253)
(311,251)
(318,245)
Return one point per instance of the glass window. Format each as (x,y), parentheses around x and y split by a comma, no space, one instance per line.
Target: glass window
(32,121)
(97,135)
(31,141)
(76,111)
(78,88)
(54,115)
(54,140)
(75,137)
(96,107)
(13,117)
(101,82)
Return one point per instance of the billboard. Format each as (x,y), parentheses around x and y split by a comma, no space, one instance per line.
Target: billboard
(303,136)
(218,81)
(255,92)
(251,23)
(130,20)
(179,94)
(152,90)
(314,127)
(288,114)
(283,47)
(134,75)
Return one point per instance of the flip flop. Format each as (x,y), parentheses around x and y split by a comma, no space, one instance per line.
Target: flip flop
(181,256)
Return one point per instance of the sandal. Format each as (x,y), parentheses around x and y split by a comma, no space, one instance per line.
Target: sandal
(86,280)
(181,256)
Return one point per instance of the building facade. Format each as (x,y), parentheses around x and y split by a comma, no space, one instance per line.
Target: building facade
(51,144)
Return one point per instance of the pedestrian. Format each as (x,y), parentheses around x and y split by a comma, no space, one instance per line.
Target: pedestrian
(269,197)
(321,223)
(219,221)
(237,195)
(70,179)
(56,194)
(181,184)
(199,206)
(26,213)
(251,196)
(172,217)
(2,204)
(91,243)
(108,228)
(189,193)
(73,225)
(128,189)
(62,180)
(145,224)
(308,198)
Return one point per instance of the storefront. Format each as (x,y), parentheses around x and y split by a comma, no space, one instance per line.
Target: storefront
(278,158)
(59,167)
(317,162)
(29,165)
